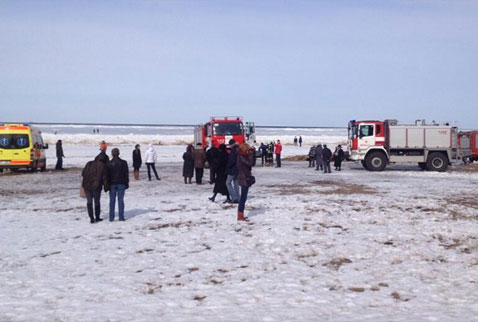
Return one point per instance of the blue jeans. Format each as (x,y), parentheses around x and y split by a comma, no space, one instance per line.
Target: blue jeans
(242,202)
(233,187)
(117,189)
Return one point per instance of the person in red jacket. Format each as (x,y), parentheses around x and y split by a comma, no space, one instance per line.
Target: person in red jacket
(277,151)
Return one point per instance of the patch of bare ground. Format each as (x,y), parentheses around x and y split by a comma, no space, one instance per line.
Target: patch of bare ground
(465,201)
(296,158)
(171,225)
(335,263)
(466,168)
(343,188)
(152,288)
(465,244)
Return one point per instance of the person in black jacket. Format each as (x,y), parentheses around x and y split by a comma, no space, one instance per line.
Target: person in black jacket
(188,166)
(59,155)
(326,156)
(339,157)
(118,178)
(95,176)
(137,161)
(211,156)
(221,176)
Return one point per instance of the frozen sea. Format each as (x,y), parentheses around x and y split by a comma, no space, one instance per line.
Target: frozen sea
(399,245)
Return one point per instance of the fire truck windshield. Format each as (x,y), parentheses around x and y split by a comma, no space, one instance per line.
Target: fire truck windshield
(228,129)
(353,130)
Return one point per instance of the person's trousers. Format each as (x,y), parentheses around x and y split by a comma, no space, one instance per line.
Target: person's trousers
(232,185)
(327,167)
(242,201)
(212,174)
(117,190)
(59,163)
(278,160)
(319,164)
(93,195)
(199,174)
(263,157)
(151,165)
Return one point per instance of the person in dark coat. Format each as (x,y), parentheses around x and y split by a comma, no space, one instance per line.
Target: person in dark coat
(59,155)
(95,177)
(339,157)
(263,150)
(270,154)
(312,154)
(118,178)
(244,166)
(300,140)
(211,156)
(188,165)
(326,157)
(221,176)
(232,172)
(318,157)
(199,157)
(137,161)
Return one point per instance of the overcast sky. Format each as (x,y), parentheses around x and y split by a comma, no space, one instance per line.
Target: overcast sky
(309,63)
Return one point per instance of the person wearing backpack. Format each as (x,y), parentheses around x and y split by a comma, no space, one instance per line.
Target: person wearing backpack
(245,178)
(95,177)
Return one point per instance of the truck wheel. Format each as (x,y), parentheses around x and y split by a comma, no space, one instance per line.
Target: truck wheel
(375,161)
(364,164)
(437,162)
(422,165)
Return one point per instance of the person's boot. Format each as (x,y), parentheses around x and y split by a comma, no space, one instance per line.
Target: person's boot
(213,198)
(97,213)
(185,180)
(240,216)
(190,181)
(136,175)
(89,206)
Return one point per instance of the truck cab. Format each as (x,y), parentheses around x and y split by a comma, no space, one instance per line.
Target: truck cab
(219,130)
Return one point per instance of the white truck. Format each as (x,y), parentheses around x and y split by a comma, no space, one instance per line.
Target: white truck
(377,143)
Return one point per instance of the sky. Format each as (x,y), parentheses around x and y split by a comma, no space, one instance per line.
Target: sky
(298,63)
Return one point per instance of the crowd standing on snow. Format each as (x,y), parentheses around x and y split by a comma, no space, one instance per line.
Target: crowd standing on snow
(230,170)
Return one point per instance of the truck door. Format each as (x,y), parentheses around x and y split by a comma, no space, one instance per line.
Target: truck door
(366,137)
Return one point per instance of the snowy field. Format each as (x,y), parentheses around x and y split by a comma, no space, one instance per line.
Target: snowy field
(400,245)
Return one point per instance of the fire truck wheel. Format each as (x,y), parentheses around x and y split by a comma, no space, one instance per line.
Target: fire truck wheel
(437,162)
(422,165)
(364,164)
(375,161)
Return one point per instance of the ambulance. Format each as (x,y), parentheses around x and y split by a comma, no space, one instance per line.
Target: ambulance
(21,146)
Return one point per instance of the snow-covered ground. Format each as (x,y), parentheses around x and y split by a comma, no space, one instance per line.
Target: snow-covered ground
(400,245)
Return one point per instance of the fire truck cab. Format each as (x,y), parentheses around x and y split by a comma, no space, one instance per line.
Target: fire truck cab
(468,143)
(219,130)
(377,143)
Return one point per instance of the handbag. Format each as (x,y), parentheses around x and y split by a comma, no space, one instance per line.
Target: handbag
(82,192)
(250,180)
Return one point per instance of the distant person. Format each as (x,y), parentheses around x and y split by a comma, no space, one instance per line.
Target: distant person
(98,131)
(118,178)
(295,140)
(278,151)
(151,161)
(300,141)
(59,155)
(95,177)
(103,146)
(137,161)
(199,157)
(221,176)
(326,157)
(339,157)
(312,156)
(244,166)
(270,154)
(188,165)
(318,157)
(263,151)
(94,131)
(211,156)
(232,173)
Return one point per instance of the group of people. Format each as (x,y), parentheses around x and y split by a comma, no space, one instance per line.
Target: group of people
(267,153)
(320,157)
(230,170)
(298,142)
(110,175)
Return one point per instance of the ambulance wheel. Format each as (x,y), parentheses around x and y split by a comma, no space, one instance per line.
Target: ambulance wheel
(437,162)
(375,161)
(422,165)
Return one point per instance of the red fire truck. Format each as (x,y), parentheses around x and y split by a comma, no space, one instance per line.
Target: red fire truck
(468,142)
(219,130)
(377,143)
